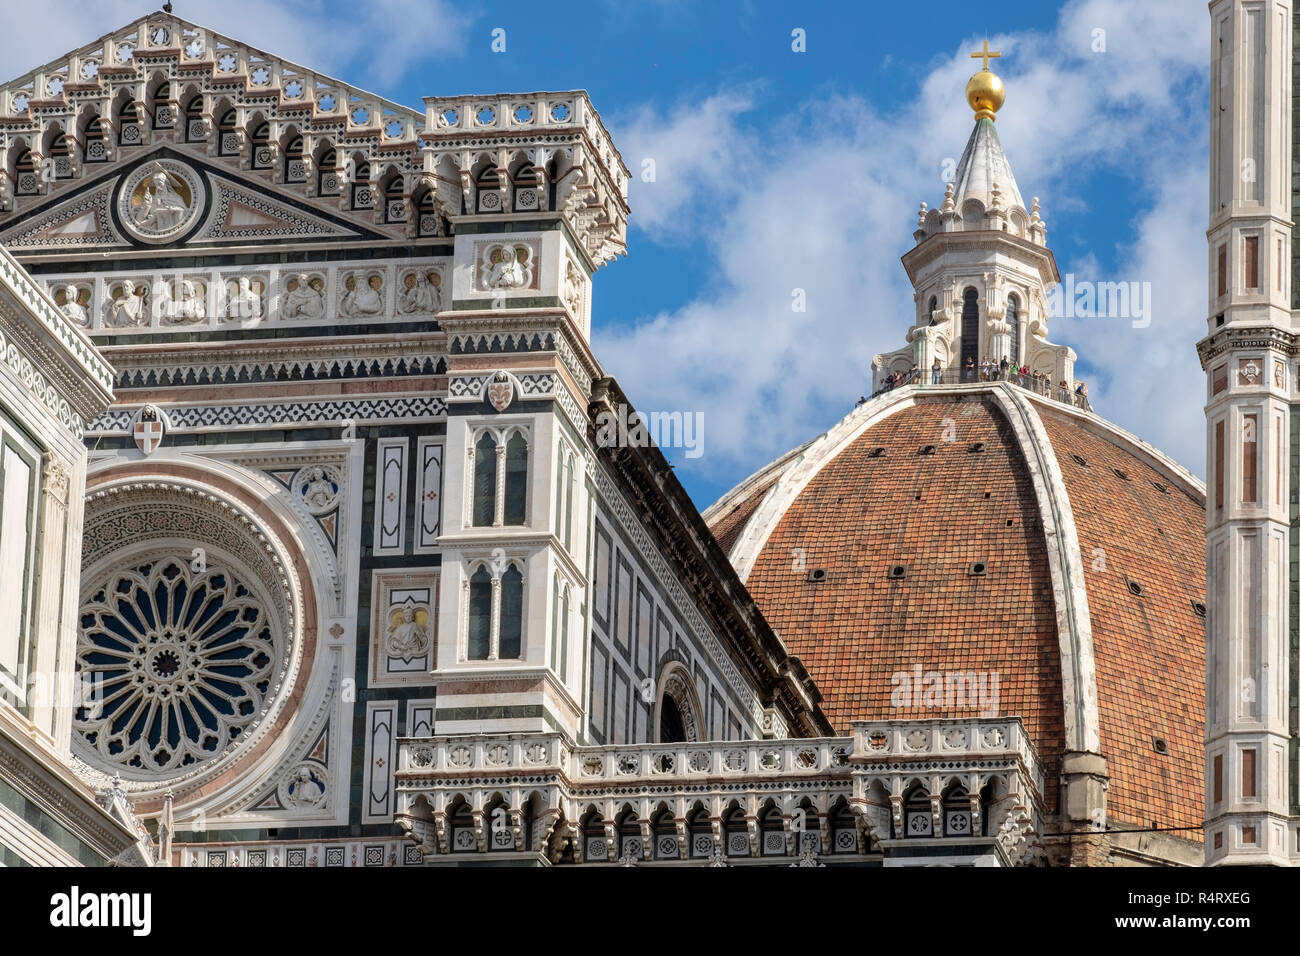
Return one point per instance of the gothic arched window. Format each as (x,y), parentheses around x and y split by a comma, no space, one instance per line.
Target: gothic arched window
(128,125)
(480,615)
(163,115)
(61,157)
(671,728)
(1013,320)
(527,189)
(970,327)
(295,170)
(94,151)
(510,640)
(485,481)
(27,183)
(195,131)
(516,479)
(227,141)
(489,184)
(363,194)
(327,177)
(259,147)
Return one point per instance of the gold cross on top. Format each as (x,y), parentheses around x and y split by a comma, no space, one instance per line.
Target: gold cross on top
(984,54)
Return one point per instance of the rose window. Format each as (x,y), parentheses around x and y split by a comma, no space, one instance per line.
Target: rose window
(176,659)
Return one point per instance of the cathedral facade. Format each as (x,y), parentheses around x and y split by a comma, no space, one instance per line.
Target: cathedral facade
(366,578)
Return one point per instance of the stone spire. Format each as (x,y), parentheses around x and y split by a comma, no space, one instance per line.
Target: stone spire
(984,167)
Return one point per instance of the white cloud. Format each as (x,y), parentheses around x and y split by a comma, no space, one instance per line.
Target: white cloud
(825,198)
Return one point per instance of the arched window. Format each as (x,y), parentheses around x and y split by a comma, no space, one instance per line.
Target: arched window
(844,835)
(227,141)
(259,147)
(295,170)
(485,481)
(809,836)
(427,218)
(394,200)
(128,125)
(664,830)
(163,115)
(629,836)
(94,150)
(970,327)
(512,614)
(195,131)
(516,479)
(735,833)
(560,628)
(489,184)
(917,821)
(363,193)
(527,184)
(700,833)
(595,848)
(480,615)
(1013,320)
(327,177)
(772,832)
(568,502)
(61,157)
(460,821)
(956,812)
(672,730)
(26,182)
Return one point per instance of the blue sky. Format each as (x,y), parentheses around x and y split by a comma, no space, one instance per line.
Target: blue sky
(778,170)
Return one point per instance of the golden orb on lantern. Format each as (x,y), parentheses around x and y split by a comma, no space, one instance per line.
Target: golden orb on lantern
(984,91)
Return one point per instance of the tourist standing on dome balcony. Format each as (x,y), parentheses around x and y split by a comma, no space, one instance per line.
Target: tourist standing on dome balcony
(936,370)
(970,370)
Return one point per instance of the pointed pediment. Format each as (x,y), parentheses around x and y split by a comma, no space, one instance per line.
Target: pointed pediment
(83,221)
(243,212)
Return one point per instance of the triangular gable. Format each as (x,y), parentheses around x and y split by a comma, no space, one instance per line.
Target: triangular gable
(83,221)
(240,213)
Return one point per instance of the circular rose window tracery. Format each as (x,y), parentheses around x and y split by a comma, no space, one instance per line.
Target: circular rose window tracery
(190,645)
(177,657)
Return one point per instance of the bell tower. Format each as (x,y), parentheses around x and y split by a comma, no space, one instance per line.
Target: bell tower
(1251,441)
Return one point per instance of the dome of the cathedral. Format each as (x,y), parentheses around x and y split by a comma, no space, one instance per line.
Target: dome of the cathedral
(988,532)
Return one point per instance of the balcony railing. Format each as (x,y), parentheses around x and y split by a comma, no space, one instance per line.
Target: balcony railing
(1066,393)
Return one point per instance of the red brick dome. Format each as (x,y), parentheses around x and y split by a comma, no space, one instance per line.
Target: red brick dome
(988,530)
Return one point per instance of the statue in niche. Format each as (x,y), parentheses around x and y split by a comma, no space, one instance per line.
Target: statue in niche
(421,296)
(246,301)
(363,298)
(304,298)
(127,309)
(507,271)
(188,305)
(407,638)
(72,306)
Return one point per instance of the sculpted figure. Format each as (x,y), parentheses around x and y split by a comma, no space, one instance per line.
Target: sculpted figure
(128,308)
(303,301)
(364,298)
(407,638)
(246,303)
(72,308)
(506,272)
(161,207)
(422,297)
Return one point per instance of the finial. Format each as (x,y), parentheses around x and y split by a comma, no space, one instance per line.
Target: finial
(985,92)
(920,215)
(1034,210)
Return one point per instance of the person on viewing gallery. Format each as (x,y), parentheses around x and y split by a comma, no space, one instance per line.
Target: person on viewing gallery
(970,369)
(935,371)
